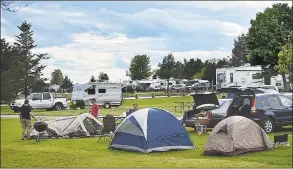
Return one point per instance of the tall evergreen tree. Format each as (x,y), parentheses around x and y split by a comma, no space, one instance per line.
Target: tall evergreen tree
(30,64)
(10,68)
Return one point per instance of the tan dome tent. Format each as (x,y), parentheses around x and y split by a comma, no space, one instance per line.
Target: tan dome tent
(236,135)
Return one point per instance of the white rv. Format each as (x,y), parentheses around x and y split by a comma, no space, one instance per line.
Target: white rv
(246,76)
(278,81)
(107,94)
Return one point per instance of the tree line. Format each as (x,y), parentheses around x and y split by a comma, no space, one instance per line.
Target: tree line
(269,43)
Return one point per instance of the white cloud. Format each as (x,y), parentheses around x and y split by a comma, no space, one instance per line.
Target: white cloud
(3,20)
(9,39)
(73,14)
(90,54)
(181,21)
(255,6)
(32,10)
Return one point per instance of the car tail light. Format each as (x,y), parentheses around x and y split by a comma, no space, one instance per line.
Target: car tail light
(253,107)
(209,115)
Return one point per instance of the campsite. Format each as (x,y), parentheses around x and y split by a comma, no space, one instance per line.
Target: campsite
(88,152)
(92,84)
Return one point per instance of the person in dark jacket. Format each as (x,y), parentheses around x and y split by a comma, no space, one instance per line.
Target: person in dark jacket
(25,119)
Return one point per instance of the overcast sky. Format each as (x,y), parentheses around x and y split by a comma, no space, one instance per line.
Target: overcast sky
(85,38)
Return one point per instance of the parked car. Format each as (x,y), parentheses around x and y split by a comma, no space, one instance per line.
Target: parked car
(45,100)
(270,110)
(272,87)
(178,88)
(287,94)
(204,105)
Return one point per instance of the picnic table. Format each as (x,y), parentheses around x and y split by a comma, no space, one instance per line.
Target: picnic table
(183,105)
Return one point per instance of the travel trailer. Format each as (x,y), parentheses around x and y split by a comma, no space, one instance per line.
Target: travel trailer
(278,81)
(246,76)
(107,94)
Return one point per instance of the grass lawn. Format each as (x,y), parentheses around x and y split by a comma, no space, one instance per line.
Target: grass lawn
(165,103)
(88,153)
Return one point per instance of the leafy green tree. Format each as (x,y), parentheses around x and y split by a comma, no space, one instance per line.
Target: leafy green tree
(56,77)
(208,72)
(66,84)
(200,74)
(192,67)
(155,74)
(140,67)
(30,64)
(167,68)
(179,70)
(285,61)
(10,84)
(221,63)
(103,77)
(266,36)
(239,53)
(93,79)
(39,85)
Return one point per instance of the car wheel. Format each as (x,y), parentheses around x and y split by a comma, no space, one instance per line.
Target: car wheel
(107,105)
(58,106)
(268,125)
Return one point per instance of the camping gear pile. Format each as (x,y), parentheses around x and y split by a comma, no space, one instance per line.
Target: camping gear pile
(83,125)
(151,129)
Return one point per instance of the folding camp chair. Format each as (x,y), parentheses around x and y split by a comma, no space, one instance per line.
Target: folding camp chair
(109,127)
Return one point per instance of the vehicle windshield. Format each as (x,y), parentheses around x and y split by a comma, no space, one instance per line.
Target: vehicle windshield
(30,97)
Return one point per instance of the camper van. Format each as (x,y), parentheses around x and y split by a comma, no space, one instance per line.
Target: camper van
(107,94)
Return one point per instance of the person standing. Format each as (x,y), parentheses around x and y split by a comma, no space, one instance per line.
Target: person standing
(25,119)
(95,108)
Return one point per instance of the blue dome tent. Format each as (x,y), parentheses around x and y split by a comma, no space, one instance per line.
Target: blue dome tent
(151,129)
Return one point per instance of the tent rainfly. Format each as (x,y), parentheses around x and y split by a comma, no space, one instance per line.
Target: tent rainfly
(236,135)
(151,129)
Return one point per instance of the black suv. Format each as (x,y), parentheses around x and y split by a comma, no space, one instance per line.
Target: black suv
(270,110)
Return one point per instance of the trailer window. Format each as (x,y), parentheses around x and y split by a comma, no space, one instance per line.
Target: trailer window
(102,90)
(91,91)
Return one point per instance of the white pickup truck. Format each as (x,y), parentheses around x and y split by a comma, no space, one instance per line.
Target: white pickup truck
(46,101)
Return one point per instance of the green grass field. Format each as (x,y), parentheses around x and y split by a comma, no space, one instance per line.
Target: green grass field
(165,103)
(88,153)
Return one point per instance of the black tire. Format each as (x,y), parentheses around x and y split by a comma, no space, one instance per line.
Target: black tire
(58,106)
(49,109)
(107,105)
(15,110)
(268,125)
